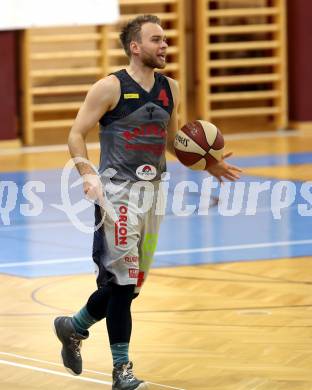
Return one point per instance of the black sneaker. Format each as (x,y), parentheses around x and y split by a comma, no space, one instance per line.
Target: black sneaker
(123,378)
(71,340)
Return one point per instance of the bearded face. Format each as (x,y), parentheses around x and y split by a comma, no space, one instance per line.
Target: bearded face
(152,47)
(152,60)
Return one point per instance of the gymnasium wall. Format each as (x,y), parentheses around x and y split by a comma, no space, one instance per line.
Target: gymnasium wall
(300,62)
(299,42)
(8,84)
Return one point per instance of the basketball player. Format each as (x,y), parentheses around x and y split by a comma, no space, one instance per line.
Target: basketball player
(137,111)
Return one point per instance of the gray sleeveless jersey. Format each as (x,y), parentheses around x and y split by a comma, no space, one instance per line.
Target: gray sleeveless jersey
(133,134)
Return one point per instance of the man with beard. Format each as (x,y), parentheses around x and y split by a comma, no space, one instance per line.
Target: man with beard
(137,111)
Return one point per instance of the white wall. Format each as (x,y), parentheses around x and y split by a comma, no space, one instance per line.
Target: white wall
(21,14)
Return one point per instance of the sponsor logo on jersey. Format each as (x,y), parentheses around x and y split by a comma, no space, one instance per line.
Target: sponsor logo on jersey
(133,273)
(146,172)
(131,259)
(150,110)
(133,137)
(121,227)
(131,96)
(156,149)
(145,131)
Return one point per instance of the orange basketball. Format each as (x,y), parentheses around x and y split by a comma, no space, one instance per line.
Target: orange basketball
(199,144)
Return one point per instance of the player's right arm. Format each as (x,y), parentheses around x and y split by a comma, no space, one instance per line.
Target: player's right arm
(102,97)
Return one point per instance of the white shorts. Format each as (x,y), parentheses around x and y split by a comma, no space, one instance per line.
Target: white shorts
(123,251)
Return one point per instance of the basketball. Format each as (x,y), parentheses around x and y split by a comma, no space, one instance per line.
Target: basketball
(199,144)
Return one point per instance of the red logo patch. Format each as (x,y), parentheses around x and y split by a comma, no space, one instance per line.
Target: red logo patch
(133,273)
(140,279)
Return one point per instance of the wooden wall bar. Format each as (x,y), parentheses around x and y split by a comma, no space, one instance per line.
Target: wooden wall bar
(236,75)
(241,70)
(60,65)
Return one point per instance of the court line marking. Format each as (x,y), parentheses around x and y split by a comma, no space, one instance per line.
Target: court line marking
(64,374)
(46,148)
(165,253)
(263,134)
(47,362)
(53,372)
(235,247)
(96,145)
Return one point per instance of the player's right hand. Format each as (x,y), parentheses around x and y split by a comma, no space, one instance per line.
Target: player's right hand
(93,189)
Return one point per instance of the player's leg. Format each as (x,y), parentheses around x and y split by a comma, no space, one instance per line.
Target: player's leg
(116,256)
(123,241)
(148,226)
(72,330)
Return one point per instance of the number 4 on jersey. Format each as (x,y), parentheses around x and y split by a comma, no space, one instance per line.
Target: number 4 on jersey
(163,97)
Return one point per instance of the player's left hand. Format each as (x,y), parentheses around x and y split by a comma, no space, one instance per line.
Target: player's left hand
(222,170)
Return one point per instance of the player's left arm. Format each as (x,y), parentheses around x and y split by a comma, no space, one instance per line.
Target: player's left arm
(173,122)
(222,170)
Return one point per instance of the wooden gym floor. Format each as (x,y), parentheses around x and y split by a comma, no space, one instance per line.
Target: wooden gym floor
(237,316)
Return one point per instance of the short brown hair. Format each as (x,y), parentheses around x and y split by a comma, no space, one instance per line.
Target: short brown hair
(132,30)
